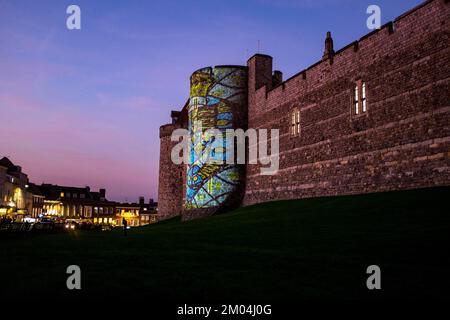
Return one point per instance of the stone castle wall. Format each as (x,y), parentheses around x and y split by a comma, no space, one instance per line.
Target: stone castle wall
(170,188)
(402,141)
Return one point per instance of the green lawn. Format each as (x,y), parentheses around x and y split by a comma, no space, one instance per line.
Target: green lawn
(313,248)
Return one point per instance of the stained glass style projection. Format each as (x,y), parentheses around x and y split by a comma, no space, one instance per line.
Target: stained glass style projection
(218,98)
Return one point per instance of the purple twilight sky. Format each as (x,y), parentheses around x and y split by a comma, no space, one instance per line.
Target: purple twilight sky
(83,107)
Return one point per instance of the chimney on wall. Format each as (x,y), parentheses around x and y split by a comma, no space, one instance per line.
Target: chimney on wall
(141,201)
(277,78)
(259,72)
(174,115)
(329,50)
(102,193)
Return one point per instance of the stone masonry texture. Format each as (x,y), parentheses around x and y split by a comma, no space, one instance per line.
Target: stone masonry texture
(402,141)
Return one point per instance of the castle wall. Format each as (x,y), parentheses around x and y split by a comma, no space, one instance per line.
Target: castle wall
(402,141)
(170,189)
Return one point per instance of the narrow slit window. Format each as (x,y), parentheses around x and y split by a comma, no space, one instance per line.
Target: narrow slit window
(363,97)
(356,100)
(293,124)
(360,98)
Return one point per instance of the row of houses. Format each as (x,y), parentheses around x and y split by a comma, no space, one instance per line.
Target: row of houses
(21,199)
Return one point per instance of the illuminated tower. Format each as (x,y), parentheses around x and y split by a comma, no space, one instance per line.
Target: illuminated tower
(218,100)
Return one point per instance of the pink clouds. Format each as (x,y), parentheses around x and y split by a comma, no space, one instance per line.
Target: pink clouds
(66,147)
(136,103)
(8,101)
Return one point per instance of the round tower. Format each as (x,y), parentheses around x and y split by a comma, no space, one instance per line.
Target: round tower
(218,100)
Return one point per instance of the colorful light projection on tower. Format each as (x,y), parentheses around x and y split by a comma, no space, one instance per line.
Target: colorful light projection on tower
(218,99)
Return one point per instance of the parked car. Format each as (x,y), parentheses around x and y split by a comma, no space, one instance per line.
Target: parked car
(106,227)
(45,224)
(71,225)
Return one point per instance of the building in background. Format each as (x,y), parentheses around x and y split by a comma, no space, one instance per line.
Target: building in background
(36,207)
(136,214)
(77,203)
(20,198)
(15,199)
(148,211)
(90,206)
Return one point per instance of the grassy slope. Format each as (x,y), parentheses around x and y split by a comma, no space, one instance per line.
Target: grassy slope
(281,250)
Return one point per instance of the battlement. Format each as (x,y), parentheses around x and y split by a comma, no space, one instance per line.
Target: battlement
(425,18)
(167,129)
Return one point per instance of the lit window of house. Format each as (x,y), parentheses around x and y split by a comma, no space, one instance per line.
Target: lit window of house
(295,122)
(359,98)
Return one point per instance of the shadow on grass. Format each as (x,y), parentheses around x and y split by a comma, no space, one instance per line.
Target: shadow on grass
(284,250)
